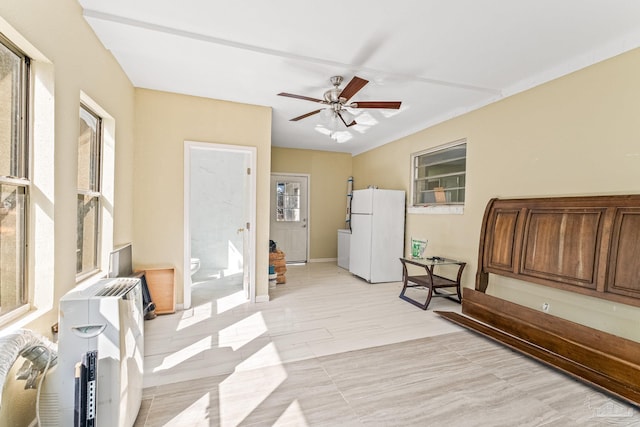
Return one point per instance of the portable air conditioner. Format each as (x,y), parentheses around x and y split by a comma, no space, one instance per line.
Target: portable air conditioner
(104,320)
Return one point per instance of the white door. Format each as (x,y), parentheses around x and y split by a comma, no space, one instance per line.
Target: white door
(219,213)
(289,215)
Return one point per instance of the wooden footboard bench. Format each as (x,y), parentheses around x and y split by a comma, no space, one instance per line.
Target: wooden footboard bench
(587,245)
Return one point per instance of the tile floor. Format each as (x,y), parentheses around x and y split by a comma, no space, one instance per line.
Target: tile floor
(330,349)
(321,310)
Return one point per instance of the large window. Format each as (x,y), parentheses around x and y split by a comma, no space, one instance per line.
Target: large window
(14,183)
(439,175)
(89,173)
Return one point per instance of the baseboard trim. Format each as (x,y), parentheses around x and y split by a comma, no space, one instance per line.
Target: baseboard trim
(262,298)
(323,260)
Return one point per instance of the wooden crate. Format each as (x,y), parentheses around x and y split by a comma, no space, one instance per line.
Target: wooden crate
(278,260)
(161,283)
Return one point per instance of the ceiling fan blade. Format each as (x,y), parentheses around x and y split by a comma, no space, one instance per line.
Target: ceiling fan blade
(306,98)
(377,104)
(304,116)
(353,87)
(345,123)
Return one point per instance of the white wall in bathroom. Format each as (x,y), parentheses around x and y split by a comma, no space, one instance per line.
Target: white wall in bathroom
(217,211)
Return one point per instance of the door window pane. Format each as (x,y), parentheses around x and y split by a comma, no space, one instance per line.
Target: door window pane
(288,201)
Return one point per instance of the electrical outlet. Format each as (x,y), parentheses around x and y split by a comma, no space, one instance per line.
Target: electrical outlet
(546,307)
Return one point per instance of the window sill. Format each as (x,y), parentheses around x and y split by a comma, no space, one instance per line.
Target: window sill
(13,315)
(90,279)
(436,210)
(26,314)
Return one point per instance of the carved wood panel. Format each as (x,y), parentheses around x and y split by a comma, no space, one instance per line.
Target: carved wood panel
(589,245)
(562,245)
(500,247)
(624,273)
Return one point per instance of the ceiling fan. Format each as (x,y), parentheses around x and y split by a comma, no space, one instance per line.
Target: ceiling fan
(338,100)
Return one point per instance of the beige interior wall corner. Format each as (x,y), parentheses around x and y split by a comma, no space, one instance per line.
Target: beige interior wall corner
(68,60)
(65,41)
(164,121)
(577,135)
(328,173)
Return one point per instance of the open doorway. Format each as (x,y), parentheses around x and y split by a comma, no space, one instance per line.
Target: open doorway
(220,210)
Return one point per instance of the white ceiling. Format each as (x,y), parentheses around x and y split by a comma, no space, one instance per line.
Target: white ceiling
(440,58)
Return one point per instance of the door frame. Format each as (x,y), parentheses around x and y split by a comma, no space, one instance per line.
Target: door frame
(252,199)
(271,195)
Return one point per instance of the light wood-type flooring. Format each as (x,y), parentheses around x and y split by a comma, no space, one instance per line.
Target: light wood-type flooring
(332,350)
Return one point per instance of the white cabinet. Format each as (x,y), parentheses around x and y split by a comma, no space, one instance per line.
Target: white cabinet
(344,237)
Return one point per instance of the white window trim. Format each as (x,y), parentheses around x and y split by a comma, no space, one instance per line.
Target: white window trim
(107,192)
(439,209)
(40,292)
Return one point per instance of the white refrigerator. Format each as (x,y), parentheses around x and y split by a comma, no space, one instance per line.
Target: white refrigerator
(377,234)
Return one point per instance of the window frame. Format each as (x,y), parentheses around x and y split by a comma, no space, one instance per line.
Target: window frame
(287,204)
(436,207)
(19,177)
(94,192)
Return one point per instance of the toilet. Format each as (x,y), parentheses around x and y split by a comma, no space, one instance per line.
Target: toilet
(195,265)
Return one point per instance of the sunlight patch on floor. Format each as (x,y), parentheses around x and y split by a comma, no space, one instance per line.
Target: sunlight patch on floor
(242,332)
(266,356)
(197,414)
(198,314)
(231,301)
(235,403)
(292,416)
(184,354)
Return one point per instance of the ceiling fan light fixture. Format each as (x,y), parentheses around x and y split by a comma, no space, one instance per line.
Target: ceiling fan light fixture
(353,111)
(336,80)
(338,112)
(330,119)
(334,122)
(333,95)
(347,116)
(325,115)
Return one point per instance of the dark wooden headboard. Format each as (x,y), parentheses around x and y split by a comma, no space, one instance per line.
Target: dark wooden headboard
(589,245)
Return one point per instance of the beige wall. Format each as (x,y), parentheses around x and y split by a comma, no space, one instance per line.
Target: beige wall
(60,33)
(578,135)
(329,172)
(164,121)
(69,60)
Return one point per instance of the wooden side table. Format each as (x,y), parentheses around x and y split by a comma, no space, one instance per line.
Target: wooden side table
(431,282)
